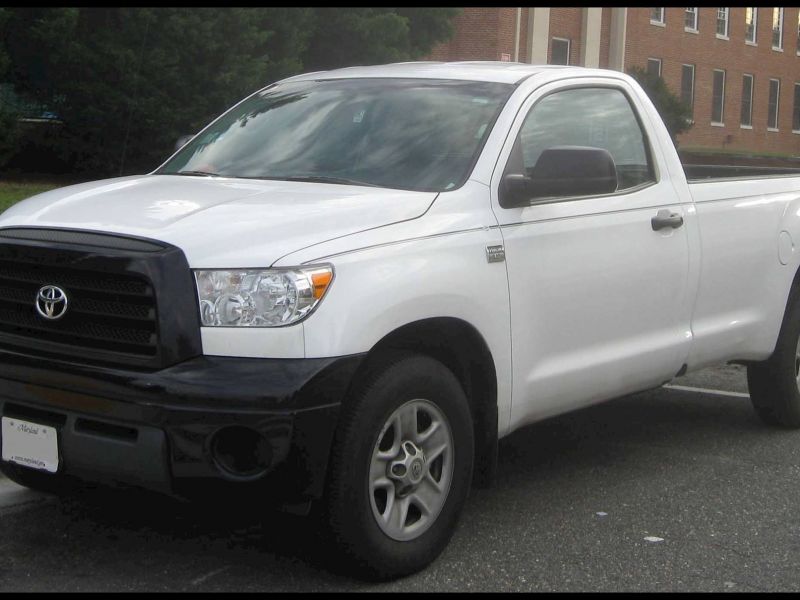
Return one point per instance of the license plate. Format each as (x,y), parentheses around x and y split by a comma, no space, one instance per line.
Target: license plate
(30,444)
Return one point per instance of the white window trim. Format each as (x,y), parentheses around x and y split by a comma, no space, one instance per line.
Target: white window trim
(569,47)
(752,86)
(660,63)
(722,111)
(694,72)
(662,22)
(777,105)
(694,29)
(726,35)
(780,28)
(755,28)
(796,85)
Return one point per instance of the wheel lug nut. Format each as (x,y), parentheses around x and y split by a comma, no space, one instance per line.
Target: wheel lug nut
(399,470)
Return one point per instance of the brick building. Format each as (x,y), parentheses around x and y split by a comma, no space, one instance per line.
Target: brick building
(739,68)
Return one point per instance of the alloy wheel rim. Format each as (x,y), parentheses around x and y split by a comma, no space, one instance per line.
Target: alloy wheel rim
(411,470)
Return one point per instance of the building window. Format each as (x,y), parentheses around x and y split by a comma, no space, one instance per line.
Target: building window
(774,98)
(559,51)
(654,66)
(777,29)
(796,111)
(687,87)
(798,33)
(722,23)
(747,101)
(750,24)
(657,16)
(718,98)
(690,19)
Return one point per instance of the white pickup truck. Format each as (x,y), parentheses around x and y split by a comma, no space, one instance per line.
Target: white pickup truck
(350,285)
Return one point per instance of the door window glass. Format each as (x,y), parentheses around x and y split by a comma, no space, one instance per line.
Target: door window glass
(593,117)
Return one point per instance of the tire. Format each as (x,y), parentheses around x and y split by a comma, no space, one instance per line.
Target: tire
(49,483)
(774,384)
(364,484)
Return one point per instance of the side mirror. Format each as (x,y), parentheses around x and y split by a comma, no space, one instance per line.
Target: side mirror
(182,141)
(562,171)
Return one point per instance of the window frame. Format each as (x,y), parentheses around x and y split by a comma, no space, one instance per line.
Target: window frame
(695,12)
(659,61)
(694,73)
(659,22)
(796,108)
(569,50)
(752,93)
(721,122)
(648,145)
(777,104)
(754,41)
(778,48)
(726,35)
(797,39)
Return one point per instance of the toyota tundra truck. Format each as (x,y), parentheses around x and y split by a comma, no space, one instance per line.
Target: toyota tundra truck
(346,289)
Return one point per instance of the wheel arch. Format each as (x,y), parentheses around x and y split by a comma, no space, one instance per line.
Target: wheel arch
(462,349)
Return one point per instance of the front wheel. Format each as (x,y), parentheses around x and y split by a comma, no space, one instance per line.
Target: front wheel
(774,384)
(401,466)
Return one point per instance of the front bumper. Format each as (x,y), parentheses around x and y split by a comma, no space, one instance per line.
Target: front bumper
(154,429)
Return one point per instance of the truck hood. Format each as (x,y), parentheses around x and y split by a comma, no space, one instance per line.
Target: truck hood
(220,222)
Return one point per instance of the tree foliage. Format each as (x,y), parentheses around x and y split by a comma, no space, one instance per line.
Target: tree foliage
(8,117)
(676,115)
(127,82)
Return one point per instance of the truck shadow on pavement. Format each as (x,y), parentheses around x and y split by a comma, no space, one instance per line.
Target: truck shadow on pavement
(573,462)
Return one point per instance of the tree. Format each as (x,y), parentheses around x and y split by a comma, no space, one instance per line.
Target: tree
(365,36)
(127,82)
(676,114)
(8,116)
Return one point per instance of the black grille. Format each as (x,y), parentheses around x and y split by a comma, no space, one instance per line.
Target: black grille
(109,312)
(130,302)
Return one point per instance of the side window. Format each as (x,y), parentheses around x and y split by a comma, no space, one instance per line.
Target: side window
(587,117)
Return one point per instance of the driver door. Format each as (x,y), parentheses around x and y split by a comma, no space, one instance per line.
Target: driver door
(600,304)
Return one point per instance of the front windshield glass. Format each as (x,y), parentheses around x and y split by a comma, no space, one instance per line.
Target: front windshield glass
(416,134)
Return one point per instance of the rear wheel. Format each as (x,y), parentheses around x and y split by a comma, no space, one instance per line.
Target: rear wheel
(775,383)
(401,467)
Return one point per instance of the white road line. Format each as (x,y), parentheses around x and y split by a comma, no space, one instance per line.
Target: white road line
(684,388)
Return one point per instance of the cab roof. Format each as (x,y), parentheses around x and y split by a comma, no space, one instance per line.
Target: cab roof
(495,71)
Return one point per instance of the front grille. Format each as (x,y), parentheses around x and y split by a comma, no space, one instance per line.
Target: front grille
(130,301)
(109,312)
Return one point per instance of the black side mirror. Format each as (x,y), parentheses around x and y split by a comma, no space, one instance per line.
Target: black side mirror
(562,171)
(182,141)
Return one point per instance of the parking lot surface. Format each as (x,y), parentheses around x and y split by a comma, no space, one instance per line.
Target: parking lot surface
(675,489)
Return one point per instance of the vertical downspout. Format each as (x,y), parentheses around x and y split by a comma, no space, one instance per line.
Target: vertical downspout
(516,34)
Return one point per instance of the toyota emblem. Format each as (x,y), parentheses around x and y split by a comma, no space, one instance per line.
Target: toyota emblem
(51,302)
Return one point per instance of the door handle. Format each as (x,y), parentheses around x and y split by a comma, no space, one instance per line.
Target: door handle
(664,218)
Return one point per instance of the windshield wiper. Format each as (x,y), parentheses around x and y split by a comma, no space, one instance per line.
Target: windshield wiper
(201,173)
(325,179)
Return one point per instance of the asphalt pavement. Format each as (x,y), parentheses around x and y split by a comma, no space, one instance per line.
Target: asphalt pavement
(673,489)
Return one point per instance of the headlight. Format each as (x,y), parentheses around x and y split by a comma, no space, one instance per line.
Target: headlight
(260,297)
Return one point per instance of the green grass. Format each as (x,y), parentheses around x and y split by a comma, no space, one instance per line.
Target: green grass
(12,192)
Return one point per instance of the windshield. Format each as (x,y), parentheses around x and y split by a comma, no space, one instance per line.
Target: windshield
(415,134)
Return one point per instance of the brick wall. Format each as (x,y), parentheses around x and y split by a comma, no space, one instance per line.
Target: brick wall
(475,37)
(481,33)
(566,23)
(674,47)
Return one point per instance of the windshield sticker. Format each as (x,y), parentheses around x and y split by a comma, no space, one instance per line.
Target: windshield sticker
(359,116)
